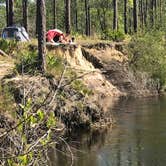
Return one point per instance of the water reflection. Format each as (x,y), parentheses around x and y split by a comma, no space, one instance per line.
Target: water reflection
(138,139)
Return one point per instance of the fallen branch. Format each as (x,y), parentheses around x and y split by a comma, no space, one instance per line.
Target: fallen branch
(3,53)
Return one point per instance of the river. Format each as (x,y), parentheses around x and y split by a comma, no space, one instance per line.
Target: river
(137,139)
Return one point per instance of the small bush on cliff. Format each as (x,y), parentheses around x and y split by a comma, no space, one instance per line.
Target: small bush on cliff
(81,88)
(147,53)
(113,35)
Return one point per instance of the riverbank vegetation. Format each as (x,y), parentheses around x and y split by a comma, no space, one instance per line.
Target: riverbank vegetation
(26,131)
(147,53)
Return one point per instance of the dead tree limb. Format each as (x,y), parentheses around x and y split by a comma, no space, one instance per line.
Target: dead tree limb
(2,53)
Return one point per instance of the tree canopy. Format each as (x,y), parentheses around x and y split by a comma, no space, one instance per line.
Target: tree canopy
(92,17)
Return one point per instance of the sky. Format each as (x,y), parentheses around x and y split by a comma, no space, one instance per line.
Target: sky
(2,4)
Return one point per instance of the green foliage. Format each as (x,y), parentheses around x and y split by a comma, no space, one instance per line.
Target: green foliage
(23,160)
(54,61)
(113,35)
(130,3)
(27,62)
(40,114)
(2,18)
(30,122)
(147,53)
(81,88)
(8,46)
(51,120)
(55,65)
(71,74)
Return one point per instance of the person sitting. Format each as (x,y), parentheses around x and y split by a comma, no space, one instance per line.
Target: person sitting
(55,35)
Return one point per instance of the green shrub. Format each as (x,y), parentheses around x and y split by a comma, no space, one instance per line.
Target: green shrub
(113,35)
(81,88)
(147,53)
(55,65)
(8,46)
(27,63)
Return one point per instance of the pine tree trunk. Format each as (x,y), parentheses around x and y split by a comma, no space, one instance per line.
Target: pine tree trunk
(86,18)
(160,12)
(141,14)
(89,21)
(54,14)
(41,17)
(125,17)
(115,15)
(130,21)
(145,12)
(155,11)
(135,15)
(7,13)
(11,12)
(68,16)
(104,19)
(100,20)
(76,16)
(37,18)
(25,14)
(152,13)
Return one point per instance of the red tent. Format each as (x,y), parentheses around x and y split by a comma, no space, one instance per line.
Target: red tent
(54,35)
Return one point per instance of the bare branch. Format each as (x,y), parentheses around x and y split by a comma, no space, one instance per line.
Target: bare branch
(67,145)
(3,53)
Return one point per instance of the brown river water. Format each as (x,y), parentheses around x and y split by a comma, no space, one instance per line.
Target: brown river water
(137,139)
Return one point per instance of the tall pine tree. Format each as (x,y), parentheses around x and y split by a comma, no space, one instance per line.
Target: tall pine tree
(25,13)
(41,17)
(68,16)
(115,15)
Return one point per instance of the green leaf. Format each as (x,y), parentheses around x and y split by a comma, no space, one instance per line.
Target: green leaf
(23,160)
(20,128)
(10,162)
(33,120)
(40,113)
(51,120)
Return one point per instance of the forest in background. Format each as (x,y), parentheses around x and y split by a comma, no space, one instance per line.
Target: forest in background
(104,19)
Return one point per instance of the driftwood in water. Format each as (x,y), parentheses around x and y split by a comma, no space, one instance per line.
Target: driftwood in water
(3,53)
